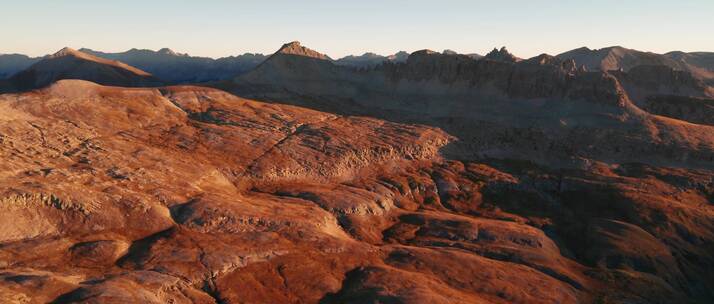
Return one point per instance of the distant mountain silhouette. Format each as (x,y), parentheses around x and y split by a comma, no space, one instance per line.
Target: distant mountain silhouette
(10,64)
(501,55)
(615,58)
(701,64)
(367,60)
(181,68)
(72,64)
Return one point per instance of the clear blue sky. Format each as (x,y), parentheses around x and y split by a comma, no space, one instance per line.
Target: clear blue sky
(339,27)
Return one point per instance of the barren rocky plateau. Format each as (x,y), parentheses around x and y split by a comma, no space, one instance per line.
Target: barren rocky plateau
(445,178)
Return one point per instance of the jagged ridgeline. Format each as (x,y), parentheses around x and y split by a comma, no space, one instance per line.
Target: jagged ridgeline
(549,109)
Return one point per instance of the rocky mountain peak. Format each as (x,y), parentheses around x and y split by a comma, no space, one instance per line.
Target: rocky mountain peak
(425,52)
(423,56)
(167,51)
(581,49)
(569,65)
(501,55)
(294,48)
(66,51)
(399,56)
(70,52)
(544,59)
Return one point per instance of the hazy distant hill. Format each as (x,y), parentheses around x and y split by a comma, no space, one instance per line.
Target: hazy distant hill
(13,63)
(367,60)
(371,59)
(617,57)
(72,64)
(181,68)
(700,64)
(703,60)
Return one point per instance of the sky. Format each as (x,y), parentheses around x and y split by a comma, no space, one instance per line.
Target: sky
(220,28)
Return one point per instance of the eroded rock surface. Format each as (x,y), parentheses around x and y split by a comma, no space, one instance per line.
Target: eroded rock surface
(192,195)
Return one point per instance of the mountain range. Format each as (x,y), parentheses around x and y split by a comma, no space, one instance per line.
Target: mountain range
(72,64)
(700,64)
(175,67)
(484,101)
(430,177)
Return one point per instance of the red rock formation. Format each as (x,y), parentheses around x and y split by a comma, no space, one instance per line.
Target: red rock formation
(473,181)
(193,195)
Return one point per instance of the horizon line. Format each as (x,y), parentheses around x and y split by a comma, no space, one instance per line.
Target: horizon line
(239,53)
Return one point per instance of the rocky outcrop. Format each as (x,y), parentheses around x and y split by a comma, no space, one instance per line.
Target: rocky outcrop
(501,55)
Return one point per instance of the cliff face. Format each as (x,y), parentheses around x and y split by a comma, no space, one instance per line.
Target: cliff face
(564,112)
(648,80)
(664,91)
(542,77)
(686,108)
(455,75)
(700,64)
